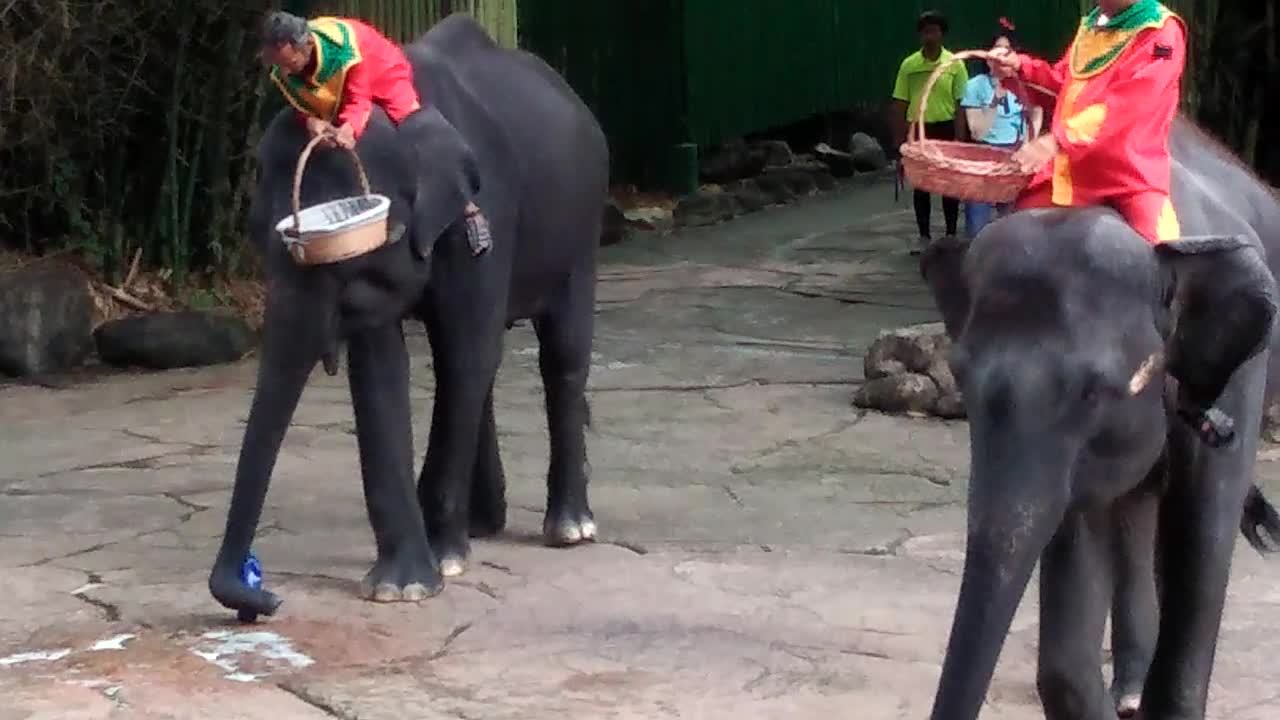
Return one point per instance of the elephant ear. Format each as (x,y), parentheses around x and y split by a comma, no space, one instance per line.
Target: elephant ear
(277,157)
(445,176)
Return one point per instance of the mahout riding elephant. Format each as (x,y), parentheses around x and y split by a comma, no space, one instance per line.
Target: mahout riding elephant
(502,129)
(1062,320)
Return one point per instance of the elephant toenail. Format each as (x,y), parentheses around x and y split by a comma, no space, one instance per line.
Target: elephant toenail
(413,592)
(386,592)
(452,566)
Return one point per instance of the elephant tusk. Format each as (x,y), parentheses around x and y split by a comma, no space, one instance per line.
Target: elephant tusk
(1142,377)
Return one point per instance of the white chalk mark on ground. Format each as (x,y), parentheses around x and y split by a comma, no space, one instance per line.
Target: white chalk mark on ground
(267,645)
(112,643)
(37,656)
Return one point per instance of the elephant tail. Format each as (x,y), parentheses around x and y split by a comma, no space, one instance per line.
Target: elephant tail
(1260,523)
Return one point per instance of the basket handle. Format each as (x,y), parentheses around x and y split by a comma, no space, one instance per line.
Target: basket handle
(296,230)
(937,73)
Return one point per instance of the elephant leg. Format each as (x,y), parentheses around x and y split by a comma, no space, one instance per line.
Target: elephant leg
(488,482)
(1135,608)
(378,368)
(941,265)
(1199,518)
(564,357)
(465,355)
(1075,592)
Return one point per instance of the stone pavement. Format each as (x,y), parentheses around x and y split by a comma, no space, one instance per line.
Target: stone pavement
(767,551)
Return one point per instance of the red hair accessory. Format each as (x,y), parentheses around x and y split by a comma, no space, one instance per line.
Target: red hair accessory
(1004,23)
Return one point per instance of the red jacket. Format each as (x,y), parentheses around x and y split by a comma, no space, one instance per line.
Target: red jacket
(356,67)
(1112,119)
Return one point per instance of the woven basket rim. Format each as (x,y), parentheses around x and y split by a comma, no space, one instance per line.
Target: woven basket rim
(377,210)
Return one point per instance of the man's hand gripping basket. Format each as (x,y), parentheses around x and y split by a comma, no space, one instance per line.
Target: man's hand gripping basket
(966,171)
(336,230)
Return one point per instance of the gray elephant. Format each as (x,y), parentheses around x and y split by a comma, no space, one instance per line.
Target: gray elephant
(1063,319)
(502,129)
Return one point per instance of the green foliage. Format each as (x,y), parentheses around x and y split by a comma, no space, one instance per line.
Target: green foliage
(1232,83)
(127,125)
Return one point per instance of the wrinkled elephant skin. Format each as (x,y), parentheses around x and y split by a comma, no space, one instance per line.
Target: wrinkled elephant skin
(1124,507)
(499,128)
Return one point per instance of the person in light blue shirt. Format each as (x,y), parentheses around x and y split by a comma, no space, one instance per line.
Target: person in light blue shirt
(994,116)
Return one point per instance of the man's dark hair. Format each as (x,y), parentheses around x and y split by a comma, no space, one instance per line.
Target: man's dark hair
(282,28)
(932,17)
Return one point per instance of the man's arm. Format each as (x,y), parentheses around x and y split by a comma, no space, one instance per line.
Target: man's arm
(357,99)
(1037,120)
(1146,83)
(898,122)
(898,107)
(1051,76)
(959,87)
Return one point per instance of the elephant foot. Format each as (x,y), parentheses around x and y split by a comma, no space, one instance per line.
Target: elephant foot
(232,593)
(454,551)
(487,519)
(567,526)
(404,577)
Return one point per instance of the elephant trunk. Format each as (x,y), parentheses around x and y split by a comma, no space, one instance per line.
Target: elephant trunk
(1015,506)
(295,341)
(275,399)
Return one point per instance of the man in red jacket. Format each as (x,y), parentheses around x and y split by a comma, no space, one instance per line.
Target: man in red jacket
(333,70)
(1118,89)
(1118,92)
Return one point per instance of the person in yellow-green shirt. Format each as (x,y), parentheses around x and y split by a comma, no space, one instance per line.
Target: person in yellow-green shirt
(940,109)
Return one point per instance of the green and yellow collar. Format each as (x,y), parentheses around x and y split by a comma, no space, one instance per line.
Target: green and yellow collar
(1096,48)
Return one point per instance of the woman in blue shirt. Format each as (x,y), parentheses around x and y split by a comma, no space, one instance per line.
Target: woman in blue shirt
(994,116)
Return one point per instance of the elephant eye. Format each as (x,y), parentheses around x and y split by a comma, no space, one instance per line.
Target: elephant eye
(1095,389)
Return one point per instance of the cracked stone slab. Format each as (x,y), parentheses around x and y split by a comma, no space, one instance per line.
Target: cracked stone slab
(765,549)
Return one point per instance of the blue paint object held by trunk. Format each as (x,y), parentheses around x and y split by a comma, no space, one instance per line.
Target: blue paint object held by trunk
(250,575)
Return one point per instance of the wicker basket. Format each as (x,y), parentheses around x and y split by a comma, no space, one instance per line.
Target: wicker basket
(336,230)
(966,171)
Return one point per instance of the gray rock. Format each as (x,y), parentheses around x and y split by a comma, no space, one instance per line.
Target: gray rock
(614,229)
(895,362)
(702,209)
(731,161)
(867,154)
(837,164)
(917,348)
(776,188)
(46,319)
(650,218)
(940,373)
(900,393)
(1271,423)
(163,341)
(950,407)
(777,153)
(748,194)
(798,180)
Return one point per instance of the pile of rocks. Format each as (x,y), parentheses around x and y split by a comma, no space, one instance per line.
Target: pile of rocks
(746,177)
(47,327)
(906,371)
